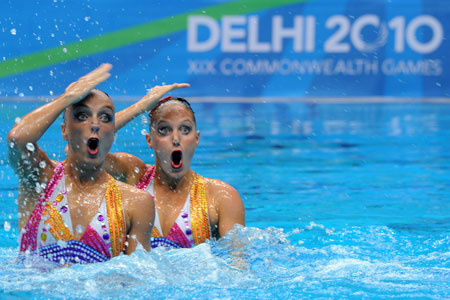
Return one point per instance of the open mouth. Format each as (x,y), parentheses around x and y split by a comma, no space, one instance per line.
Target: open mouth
(177,159)
(92,146)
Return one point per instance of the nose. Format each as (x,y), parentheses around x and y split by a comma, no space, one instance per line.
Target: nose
(175,139)
(95,127)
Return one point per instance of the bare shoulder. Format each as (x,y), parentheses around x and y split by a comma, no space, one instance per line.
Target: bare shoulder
(216,185)
(227,204)
(220,191)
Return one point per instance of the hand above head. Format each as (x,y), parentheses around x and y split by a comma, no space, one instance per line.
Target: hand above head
(158,91)
(146,103)
(33,125)
(79,89)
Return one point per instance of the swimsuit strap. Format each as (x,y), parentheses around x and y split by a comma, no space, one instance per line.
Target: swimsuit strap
(199,210)
(146,178)
(29,236)
(116,217)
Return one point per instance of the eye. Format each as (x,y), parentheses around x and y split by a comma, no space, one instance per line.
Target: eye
(81,116)
(185,129)
(163,130)
(105,118)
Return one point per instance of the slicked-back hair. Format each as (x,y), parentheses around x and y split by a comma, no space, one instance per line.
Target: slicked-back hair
(186,103)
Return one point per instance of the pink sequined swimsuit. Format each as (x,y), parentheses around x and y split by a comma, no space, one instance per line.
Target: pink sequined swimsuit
(192,224)
(48,231)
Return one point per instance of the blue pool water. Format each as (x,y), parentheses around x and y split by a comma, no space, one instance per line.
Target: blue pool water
(342,201)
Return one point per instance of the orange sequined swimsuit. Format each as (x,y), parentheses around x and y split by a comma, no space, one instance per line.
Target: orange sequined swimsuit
(192,224)
(49,228)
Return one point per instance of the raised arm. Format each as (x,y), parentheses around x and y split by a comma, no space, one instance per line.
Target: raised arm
(24,154)
(145,104)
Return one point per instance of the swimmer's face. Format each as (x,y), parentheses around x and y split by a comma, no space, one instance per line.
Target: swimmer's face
(89,128)
(173,137)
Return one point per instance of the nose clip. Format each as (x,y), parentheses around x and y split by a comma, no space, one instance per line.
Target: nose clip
(95,128)
(175,142)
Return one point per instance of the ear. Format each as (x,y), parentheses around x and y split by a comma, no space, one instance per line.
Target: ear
(63,130)
(197,137)
(148,138)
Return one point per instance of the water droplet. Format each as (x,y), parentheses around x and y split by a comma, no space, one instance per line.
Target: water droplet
(21,95)
(136,170)
(30,87)
(51,73)
(17,120)
(143,132)
(10,194)
(87,18)
(30,147)
(7,226)
(51,93)
(64,50)
(79,228)
(168,58)
(13,31)
(42,164)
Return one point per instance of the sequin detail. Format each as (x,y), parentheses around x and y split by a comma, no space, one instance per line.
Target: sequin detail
(57,226)
(29,237)
(163,242)
(92,239)
(115,217)
(73,252)
(199,211)
(146,178)
(176,235)
(91,247)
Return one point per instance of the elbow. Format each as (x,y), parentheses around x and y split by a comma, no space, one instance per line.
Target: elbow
(16,139)
(12,138)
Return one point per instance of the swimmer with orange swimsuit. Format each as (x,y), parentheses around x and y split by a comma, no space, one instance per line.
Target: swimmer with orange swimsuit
(189,208)
(73,211)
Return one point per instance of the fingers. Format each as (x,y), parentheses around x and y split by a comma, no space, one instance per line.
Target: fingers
(102,69)
(78,89)
(177,86)
(98,75)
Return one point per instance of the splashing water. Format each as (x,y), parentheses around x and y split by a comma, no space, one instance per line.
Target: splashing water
(248,263)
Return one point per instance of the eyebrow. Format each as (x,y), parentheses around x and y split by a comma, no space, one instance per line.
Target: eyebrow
(82,105)
(164,121)
(107,107)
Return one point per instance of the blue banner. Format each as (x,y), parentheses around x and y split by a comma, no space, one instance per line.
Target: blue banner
(249,48)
